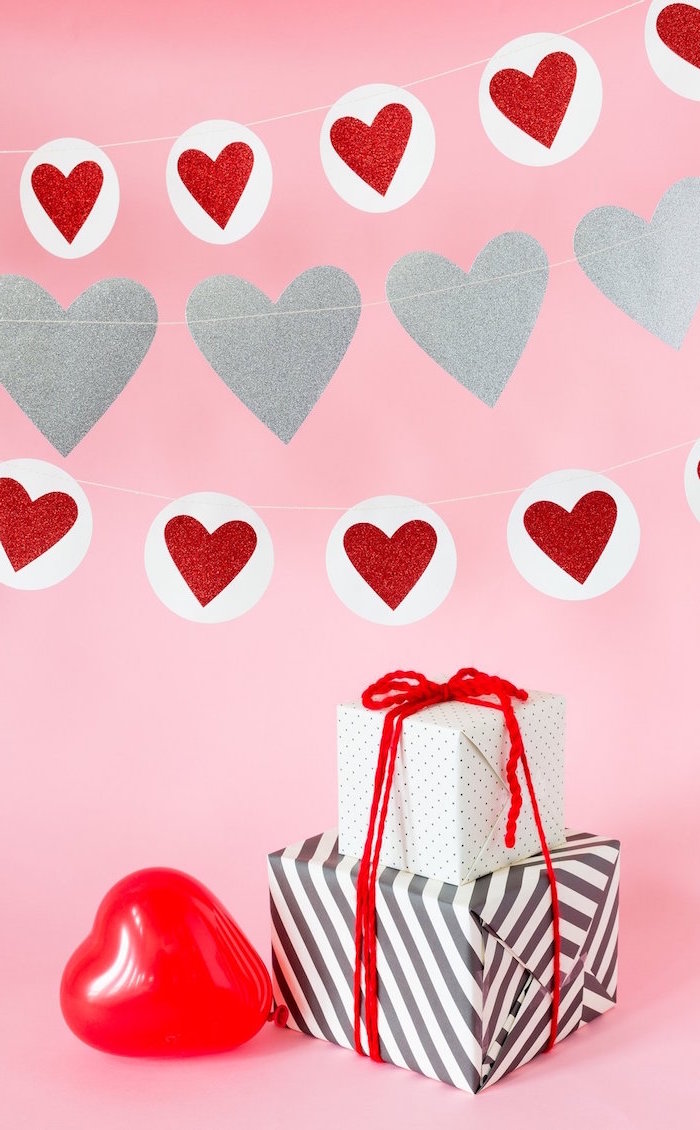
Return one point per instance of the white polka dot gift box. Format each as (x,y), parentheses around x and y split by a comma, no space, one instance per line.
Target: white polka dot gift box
(450,798)
(465,974)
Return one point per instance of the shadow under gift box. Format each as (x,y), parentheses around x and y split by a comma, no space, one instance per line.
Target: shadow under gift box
(449,797)
(465,973)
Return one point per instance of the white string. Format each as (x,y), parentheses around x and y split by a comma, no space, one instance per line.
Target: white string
(647,233)
(513,51)
(328,105)
(435,502)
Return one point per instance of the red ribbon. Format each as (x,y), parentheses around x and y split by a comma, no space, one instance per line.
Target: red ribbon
(406,693)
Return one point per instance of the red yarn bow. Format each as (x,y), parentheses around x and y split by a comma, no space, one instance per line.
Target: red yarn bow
(406,693)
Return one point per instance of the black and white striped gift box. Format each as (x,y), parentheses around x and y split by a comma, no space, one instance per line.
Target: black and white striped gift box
(465,972)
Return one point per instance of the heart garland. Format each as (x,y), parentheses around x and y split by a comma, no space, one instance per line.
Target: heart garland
(536,103)
(651,271)
(391,566)
(474,324)
(217,185)
(374,151)
(68,200)
(208,562)
(65,368)
(573,539)
(31,527)
(210,548)
(536,100)
(678,26)
(277,357)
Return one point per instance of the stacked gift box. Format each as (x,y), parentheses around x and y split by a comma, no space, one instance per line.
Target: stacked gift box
(469,932)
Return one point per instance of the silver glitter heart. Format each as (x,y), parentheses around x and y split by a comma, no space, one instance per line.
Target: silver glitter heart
(650,270)
(473,324)
(277,357)
(64,368)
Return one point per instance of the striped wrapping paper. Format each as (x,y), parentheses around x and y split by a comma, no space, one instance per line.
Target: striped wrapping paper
(465,972)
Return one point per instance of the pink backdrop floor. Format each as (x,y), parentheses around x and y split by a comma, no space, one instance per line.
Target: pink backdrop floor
(132,738)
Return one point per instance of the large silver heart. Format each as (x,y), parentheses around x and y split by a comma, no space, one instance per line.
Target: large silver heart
(473,324)
(64,368)
(650,270)
(277,357)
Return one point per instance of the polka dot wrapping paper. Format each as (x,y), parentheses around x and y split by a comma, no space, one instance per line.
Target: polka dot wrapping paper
(450,799)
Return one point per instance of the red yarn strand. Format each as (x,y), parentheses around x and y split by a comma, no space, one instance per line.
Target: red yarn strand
(406,693)
(556,924)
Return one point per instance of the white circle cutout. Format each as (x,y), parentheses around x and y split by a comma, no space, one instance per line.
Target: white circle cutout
(679,74)
(560,114)
(388,141)
(583,534)
(214,569)
(399,564)
(692,479)
(69,195)
(45,524)
(229,174)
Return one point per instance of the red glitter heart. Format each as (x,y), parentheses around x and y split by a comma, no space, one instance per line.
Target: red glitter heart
(391,565)
(208,562)
(374,152)
(678,26)
(68,200)
(217,185)
(573,539)
(29,528)
(536,104)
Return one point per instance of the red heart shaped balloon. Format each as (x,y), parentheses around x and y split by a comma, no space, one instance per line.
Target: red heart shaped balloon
(165,970)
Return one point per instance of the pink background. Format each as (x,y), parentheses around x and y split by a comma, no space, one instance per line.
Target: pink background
(134,738)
